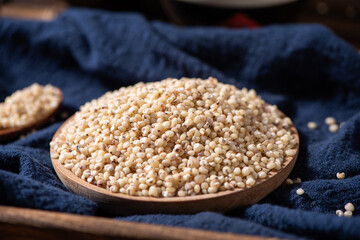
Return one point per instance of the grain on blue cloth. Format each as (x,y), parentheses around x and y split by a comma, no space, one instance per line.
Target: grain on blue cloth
(306,70)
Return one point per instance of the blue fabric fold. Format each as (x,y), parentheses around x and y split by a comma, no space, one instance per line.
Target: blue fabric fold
(306,70)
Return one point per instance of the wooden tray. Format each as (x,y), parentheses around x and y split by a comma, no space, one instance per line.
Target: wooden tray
(23,223)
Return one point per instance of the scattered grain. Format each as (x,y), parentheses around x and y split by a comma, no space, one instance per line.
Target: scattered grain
(333,128)
(312,125)
(288,181)
(340,213)
(340,175)
(300,191)
(348,214)
(330,120)
(349,207)
(297,180)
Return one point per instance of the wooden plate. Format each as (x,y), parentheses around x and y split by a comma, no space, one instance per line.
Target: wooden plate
(122,204)
(11,133)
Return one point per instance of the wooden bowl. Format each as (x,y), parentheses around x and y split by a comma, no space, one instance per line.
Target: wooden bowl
(8,134)
(121,204)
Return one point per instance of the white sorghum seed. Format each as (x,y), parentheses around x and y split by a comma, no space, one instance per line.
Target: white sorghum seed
(212,145)
(86,173)
(198,147)
(78,173)
(348,214)
(153,191)
(237,171)
(300,191)
(169,134)
(290,152)
(181,193)
(330,120)
(199,179)
(212,189)
(197,188)
(218,150)
(340,175)
(114,189)
(250,182)
(333,128)
(312,125)
(262,174)
(297,180)
(246,171)
(339,212)
(349,207)
(176,138)
(270,165)
(29,105)
(288,181)
(69,165)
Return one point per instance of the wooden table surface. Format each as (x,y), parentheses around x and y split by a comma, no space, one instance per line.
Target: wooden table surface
(21,223)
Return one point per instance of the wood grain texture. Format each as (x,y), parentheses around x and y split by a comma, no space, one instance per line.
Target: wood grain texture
(120,204)
(8,134)
(21,223)
(44,10)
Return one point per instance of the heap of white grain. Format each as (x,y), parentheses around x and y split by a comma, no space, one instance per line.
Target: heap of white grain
(175,138)
(29,105)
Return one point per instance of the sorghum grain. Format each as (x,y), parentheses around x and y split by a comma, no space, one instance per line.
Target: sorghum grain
(340,175)
(176,138)
(300,191)
(27,106)
(312,125)
(349,207)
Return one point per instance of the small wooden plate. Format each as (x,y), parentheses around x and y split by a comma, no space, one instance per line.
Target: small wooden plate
(7,134)
(121,204)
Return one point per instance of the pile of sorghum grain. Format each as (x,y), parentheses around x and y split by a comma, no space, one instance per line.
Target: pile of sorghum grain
(27,106)
(175,138)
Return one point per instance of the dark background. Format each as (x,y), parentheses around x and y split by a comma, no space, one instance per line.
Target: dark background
(343,16)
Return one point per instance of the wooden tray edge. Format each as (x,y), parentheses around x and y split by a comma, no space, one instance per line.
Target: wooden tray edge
(20,223)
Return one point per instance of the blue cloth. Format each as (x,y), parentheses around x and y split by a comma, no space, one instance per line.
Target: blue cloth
(306,70)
